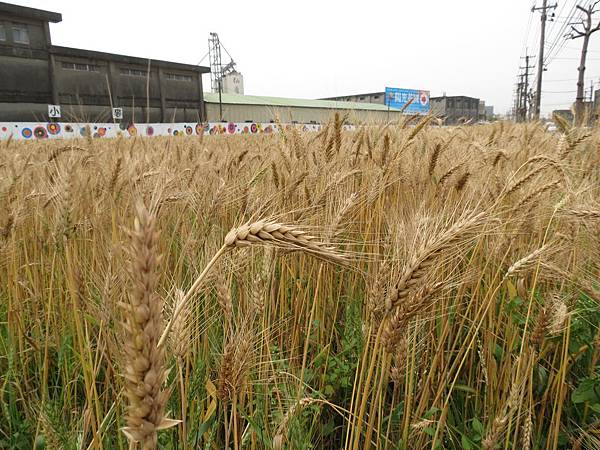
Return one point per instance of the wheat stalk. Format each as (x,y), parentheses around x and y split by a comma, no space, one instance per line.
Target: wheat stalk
(283,426)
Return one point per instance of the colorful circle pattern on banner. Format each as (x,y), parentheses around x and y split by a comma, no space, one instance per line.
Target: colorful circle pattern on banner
(188,130)
(253,128)
(53,128)
(231,127)
(26,133)
(101,132)
(132,130)
(149,131)
(40,133)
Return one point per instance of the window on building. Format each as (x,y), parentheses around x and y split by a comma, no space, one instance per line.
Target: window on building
(80,67)
(178,77)
(20,34)
(361,98)
(133,72)
(2,33)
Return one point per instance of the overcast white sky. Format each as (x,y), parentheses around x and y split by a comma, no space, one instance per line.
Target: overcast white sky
(312,49)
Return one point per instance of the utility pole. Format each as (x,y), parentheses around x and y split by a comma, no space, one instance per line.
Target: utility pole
(520,89)
(540,69)
(517,99)
(576,33)
(525,88)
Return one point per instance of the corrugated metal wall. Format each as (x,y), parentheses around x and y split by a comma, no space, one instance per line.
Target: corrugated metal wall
(261,113)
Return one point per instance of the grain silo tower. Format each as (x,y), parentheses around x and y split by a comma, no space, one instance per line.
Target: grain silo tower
(233,83)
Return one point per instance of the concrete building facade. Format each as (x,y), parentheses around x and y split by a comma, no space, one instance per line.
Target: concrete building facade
(481,113)
(87,84)
(456,109)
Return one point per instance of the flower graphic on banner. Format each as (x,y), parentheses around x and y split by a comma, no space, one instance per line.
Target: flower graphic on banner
(53,128)
(40,133)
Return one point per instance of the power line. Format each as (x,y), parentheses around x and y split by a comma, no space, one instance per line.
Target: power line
(578,49)
(568,79)
(558,92)
(559,41)
(575,59)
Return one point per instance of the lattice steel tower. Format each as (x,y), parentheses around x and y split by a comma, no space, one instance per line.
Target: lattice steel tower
(216,66)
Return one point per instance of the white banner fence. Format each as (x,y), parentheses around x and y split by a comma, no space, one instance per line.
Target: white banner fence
(70,130)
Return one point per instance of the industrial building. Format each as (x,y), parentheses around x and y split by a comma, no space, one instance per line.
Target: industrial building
(251,108)
(87,84)
(456,109)
(373,97)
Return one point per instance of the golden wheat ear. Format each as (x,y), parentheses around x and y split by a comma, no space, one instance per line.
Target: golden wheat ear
(145,371)
(288,237)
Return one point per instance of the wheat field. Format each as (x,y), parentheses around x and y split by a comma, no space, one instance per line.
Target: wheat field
(405,286)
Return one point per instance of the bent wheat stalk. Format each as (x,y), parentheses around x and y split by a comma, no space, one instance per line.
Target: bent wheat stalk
(262,232)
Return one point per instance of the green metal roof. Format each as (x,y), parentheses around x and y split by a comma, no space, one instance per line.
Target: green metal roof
(237,99)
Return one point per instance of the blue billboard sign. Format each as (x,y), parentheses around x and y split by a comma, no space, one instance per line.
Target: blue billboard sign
(398,98)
